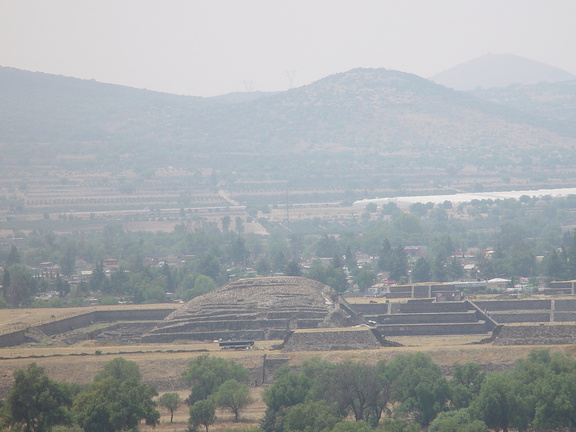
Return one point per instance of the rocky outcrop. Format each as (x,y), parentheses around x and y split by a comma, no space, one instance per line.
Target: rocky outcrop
(257,309)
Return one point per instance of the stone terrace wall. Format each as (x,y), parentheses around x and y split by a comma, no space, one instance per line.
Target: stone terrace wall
(13,338)
(537,335)
(371,308)
(507,318)
(423,318)
(568,305)
(332,340)
(84,320)
(564,316)
(433,329)
(504,305)
(429,307)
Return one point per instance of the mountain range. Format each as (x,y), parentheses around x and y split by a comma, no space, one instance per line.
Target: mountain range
(359,129)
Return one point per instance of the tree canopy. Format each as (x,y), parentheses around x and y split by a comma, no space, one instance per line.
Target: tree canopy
(117,400)
(36,401)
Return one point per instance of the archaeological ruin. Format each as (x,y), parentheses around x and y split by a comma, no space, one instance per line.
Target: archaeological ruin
(265,308)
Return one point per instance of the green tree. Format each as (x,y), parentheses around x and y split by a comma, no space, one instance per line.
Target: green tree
(289,389)
(421,270)
(328,275)
(502,403)
(225,223)
(418,386)
(68,260)
(205,374)
(36,401)
(438,269)
(555,402)
(97,278)
(238,252)
(398,425)
(22,285)
(203,284)
(385,256)
(209,265)
(465,384)
(365,277)
(352,426)
(171,401)
(13,257)
(398,265)
(361,389)
(263,267)
(293,269)
(457,421)
(62,286)
(233,395)
(455,269)
(327,247)
(117,400)
(203,412)
(310,416)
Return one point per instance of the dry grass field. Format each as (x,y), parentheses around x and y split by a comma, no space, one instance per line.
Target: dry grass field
(162,364)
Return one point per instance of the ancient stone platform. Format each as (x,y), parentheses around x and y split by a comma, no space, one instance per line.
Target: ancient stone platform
(264,308)
(338,339)
(543,334)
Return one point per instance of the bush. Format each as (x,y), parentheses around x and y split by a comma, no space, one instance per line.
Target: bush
(108,300)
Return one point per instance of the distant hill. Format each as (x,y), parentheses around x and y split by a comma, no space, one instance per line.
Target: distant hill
(499,70)
(550,105)
(360,129)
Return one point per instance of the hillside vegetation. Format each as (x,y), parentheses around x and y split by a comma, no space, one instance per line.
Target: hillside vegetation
(371,132)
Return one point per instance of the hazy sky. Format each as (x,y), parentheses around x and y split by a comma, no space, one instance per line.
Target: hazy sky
(212,47)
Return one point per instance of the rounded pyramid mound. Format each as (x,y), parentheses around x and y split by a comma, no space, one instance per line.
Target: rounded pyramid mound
(265,308)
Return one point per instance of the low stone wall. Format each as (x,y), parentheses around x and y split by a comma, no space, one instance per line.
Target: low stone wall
(67,324)
(507,318)
(332,340)
(429,307)
(268,334)
(537,335)
(432,318)
(371,308)
(433,329)
(568,305)
(13,338)
(89,318)
(564,316)
(271,363)
(84,320)
(504,305)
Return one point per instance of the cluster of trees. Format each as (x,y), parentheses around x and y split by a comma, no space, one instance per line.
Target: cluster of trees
(519,231)
(406,394)
(408,389)
(409,393)
(117,400)
(215,382)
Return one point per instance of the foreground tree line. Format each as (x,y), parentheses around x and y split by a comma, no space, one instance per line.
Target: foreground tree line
(406,394)
(117,399)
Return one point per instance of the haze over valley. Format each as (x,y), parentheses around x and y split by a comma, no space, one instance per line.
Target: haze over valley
(74,145)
